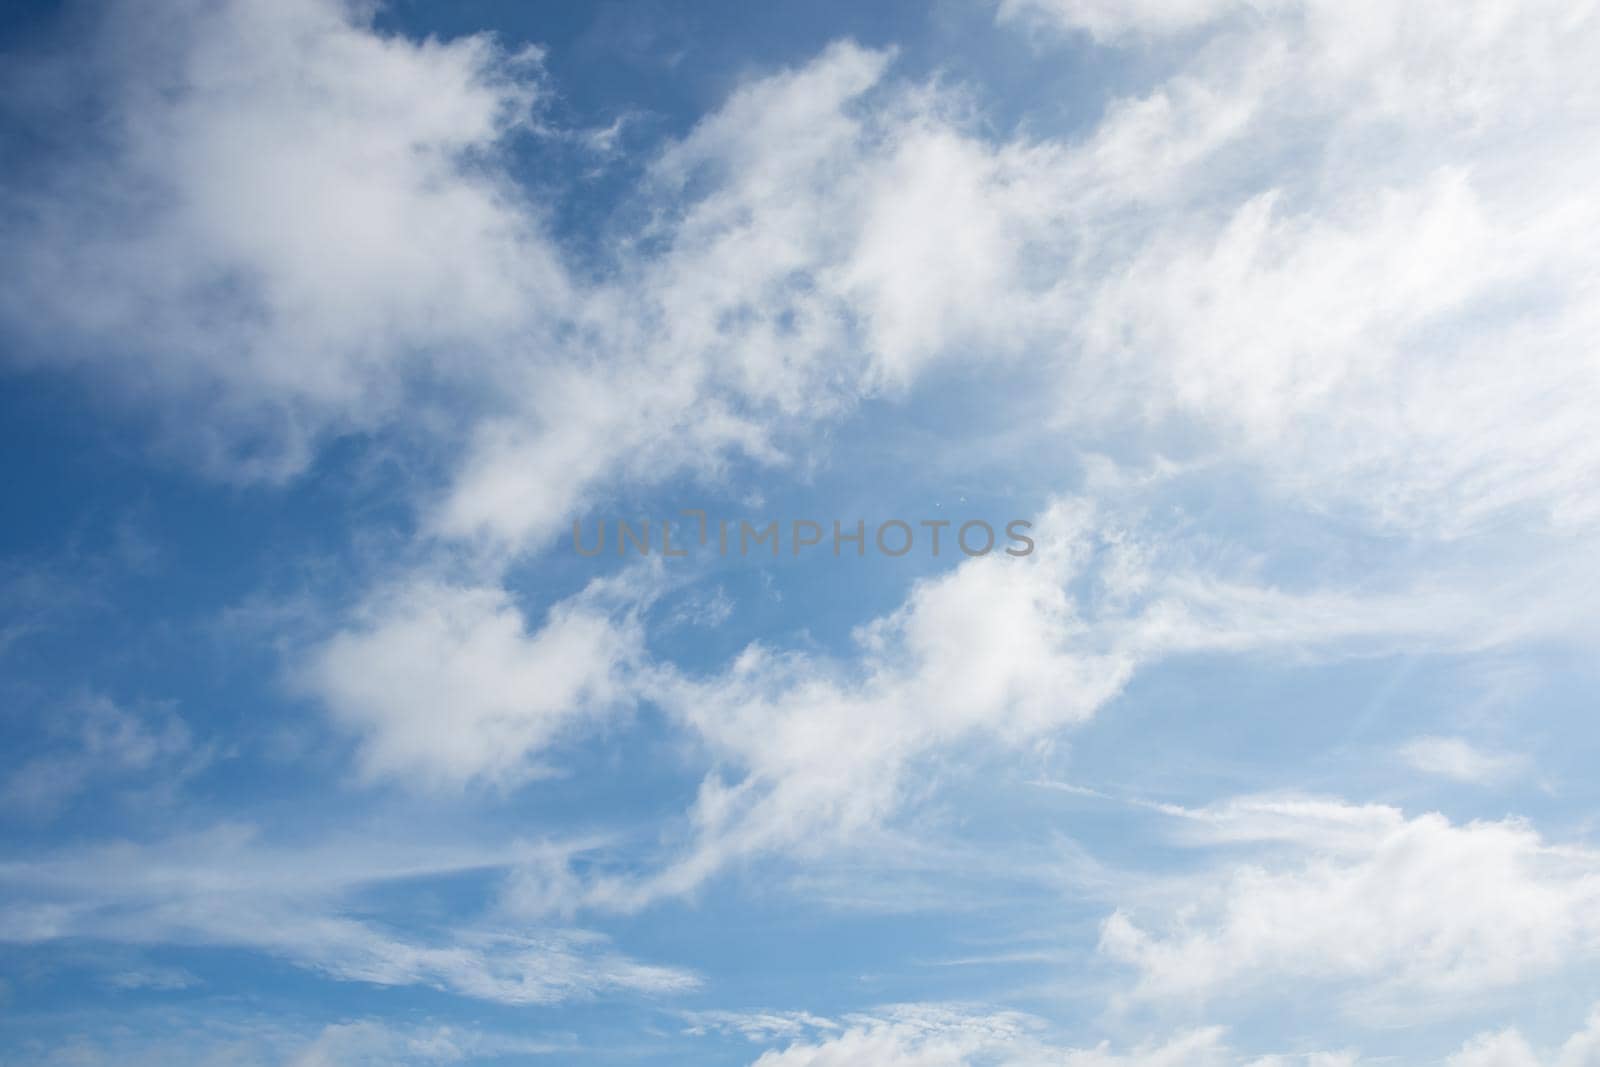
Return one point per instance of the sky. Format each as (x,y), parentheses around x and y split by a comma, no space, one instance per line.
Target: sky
(1263,336)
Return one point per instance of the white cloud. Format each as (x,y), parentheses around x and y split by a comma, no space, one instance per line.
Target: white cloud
(288,212)
(218,1037)
(1401,914)
(309,224)
(1332,244)
(1112,20)
(919,1035)
(758,1025)
(1504,1049)
(366,1042)
(163,978)
(825,234)
(1508,1048)
(1457,759)
(932,1035)
(813,751)
(446,685)
(1240,245)
(1315,233)
(1351,255)
(224,888)
(100,744)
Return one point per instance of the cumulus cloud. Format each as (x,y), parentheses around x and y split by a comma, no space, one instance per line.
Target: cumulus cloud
(1399,913)
(445,685)
(1508,1048)
(286,212)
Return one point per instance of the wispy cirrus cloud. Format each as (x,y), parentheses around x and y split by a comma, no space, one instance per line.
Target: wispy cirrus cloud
(236,1038)
(1459,760)
(223,887)
(941,1035)
(148,752)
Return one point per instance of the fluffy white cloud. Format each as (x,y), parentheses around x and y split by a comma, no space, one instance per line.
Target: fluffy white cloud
(1323,231)
(1351,254)
(1504,1049)
(1330,244)
(288,211)
(1240,245)
(1508,1048)
(1401,913)
(446,685)
(1321,237)
(827,233)
(306,222)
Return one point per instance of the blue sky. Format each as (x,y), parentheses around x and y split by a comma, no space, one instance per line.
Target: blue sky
(324,323)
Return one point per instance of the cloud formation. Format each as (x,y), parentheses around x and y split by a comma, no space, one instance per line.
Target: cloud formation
(284,217)
(1318,256)
(445,686)
(224,887)
(1400,914)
